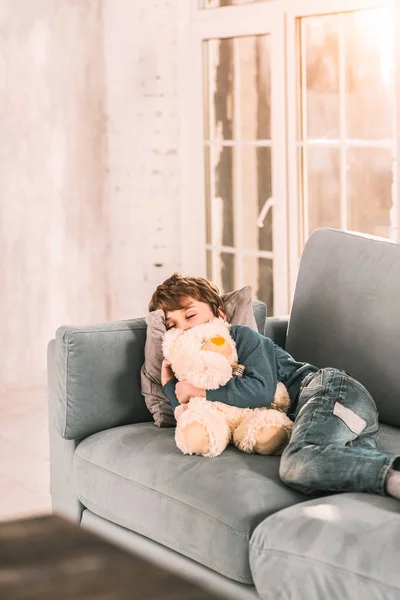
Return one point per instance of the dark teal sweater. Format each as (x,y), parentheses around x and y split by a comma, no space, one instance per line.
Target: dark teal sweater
(265,364)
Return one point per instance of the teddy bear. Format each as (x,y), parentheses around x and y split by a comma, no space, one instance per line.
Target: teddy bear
(206,357)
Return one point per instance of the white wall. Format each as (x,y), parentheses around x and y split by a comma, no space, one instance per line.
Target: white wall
(53,227)
(141,52)
(89,174)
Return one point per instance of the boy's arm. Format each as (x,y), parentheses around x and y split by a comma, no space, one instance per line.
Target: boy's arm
(169,391)
(258,385)
(168,382)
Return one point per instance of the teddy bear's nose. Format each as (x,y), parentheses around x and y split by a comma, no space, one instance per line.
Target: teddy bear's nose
(218,340)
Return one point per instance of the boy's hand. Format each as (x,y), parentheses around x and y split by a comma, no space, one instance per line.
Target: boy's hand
(184,391)
(167,373)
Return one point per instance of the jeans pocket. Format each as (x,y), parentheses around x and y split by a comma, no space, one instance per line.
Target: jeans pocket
(314,381)
(309,402)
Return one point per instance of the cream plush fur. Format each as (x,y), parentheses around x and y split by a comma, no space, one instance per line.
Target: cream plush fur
(204,356)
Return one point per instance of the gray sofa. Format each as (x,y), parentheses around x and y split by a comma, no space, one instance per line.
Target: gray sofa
(229,523)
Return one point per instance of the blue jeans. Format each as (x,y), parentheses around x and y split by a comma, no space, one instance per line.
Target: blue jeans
(333,447)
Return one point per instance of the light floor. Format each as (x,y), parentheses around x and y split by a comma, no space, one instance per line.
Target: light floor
(24,454)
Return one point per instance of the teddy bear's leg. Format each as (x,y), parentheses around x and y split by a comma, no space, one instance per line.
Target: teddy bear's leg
(265,431)
(271,440)
(202,431)
(193,439)
(281,399)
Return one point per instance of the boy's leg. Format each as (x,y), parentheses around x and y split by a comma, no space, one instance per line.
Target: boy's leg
(333,444)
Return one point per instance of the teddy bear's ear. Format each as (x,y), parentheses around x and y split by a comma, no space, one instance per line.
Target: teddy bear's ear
(169,340)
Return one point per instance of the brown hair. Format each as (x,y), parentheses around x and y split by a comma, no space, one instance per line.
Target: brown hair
(171,294)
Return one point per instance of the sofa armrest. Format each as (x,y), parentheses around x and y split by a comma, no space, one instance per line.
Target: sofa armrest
(260,314)
(276,329)
(63,498)
(97,377)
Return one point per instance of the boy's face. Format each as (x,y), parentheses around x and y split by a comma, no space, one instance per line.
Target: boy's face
(194,313)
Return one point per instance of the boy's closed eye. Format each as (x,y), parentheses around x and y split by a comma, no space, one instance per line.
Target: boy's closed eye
(172,325)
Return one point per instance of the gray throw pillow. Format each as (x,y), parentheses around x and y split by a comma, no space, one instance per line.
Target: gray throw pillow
(238,306)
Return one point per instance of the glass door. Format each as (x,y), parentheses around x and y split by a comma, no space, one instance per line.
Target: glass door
(242,175)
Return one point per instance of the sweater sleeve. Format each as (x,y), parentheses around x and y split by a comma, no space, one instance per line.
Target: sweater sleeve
(169,391)
(291,372)
(258,385)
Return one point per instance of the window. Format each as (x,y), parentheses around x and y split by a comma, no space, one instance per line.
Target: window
(293,114)
(346,129)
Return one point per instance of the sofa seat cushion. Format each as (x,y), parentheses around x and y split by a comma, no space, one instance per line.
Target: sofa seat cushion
(203,508)
(339,547)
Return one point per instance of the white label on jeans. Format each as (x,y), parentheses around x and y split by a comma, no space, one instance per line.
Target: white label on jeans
(355,423)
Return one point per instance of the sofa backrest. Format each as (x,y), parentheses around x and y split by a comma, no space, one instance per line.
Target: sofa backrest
(346,312)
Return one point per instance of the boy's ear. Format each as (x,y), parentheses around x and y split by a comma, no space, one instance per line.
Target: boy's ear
(221,314)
